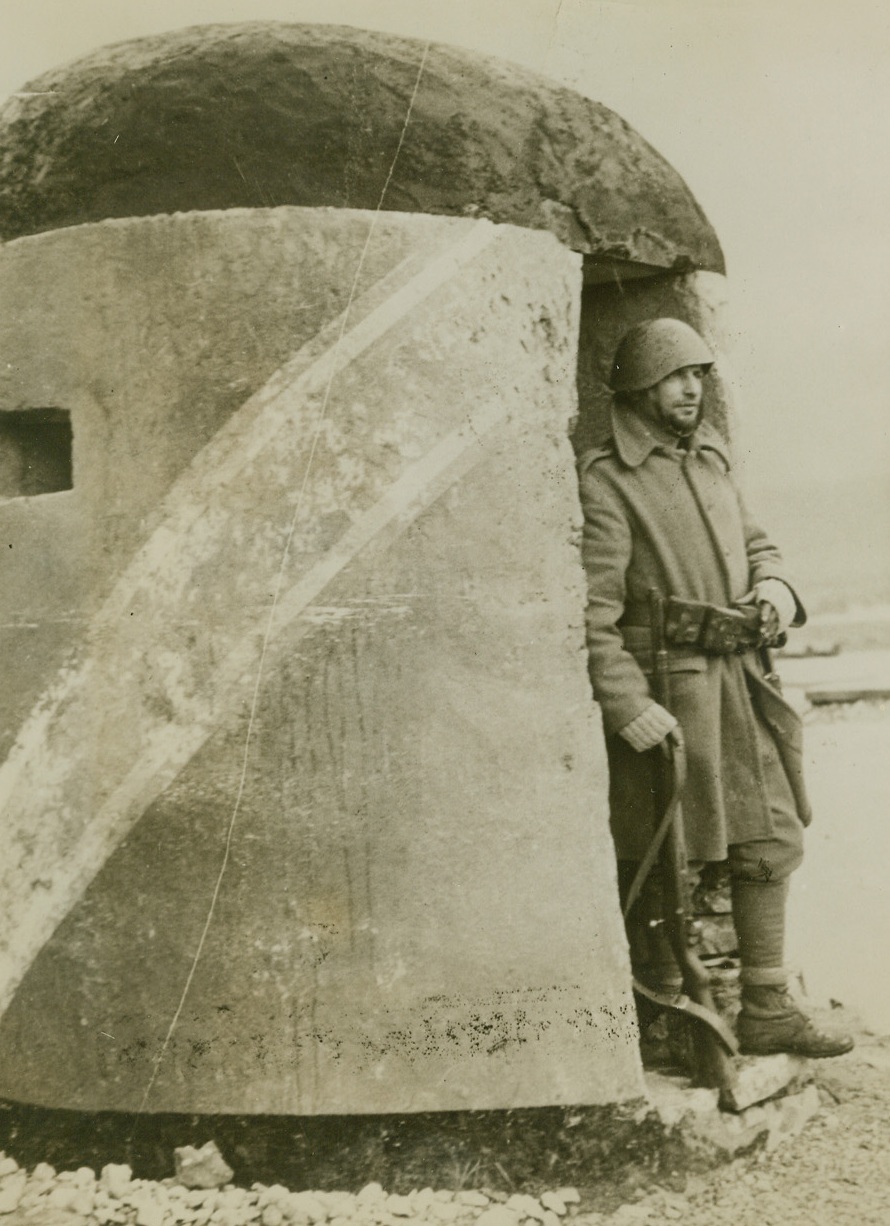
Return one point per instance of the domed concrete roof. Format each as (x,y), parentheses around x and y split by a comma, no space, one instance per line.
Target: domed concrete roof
(265,114)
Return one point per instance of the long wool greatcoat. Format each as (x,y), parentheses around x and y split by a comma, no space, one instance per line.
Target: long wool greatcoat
(657,515)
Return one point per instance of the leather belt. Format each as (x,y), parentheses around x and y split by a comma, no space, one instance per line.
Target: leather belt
(713,629)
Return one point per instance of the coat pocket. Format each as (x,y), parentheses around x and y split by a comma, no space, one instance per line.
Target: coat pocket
(776,712)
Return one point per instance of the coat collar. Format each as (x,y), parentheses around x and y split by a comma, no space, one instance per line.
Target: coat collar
(636,438)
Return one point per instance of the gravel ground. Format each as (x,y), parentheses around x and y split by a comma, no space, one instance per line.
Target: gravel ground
(836,1172)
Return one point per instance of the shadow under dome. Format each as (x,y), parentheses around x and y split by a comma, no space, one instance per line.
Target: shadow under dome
(264,114)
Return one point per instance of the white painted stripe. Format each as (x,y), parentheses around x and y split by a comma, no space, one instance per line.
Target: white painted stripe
(166,749)
(222,462)
(164,757)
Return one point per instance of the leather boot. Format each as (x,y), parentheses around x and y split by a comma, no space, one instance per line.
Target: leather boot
(771,1021)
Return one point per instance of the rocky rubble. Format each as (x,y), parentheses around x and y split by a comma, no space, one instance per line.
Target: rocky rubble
(44,1197)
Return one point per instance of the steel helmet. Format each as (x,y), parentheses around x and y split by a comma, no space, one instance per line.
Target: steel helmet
(652,350)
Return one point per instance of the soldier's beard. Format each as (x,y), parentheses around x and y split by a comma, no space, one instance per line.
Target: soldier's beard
(681,417)
(680,422)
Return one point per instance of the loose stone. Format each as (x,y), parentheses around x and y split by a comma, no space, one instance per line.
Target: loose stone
(341,1204)
(306,1204)
(115,1179)
(61,1197)
(199,1196)
(553,1202)
(445,1211)
(277,1194)
(526,1206)
(470,1197)
(201,1168)
(149,1211)
(422,1199)
(498,1215)
(12,1190)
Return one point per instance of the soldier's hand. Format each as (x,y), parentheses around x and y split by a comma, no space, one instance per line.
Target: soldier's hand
(649,728)
(770,623)
(780,602)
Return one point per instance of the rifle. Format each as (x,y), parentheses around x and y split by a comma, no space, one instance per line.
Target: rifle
(712,1040)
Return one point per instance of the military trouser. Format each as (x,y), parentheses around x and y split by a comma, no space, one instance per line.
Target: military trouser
(759,872)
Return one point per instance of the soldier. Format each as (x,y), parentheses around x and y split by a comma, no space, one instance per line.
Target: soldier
(662,511)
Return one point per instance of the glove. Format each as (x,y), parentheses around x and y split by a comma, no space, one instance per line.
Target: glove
(649,728)
(781,599)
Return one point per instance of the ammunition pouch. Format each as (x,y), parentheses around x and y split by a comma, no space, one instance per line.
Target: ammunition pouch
(712,629)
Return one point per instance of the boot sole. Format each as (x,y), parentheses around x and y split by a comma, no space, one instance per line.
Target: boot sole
(789,1049)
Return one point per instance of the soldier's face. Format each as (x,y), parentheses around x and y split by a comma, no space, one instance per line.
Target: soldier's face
(677,400)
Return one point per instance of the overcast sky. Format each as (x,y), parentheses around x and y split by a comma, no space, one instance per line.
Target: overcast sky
(776,114)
